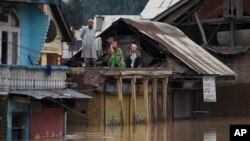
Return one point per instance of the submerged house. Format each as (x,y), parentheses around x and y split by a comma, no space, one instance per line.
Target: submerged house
(222,28)
(33,98)
(164,48)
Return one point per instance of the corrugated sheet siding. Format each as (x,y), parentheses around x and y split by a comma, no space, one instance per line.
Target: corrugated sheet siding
(182,105)
(48,123)
(3,117)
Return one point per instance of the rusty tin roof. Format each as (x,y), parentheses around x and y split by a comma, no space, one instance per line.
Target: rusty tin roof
(175,41)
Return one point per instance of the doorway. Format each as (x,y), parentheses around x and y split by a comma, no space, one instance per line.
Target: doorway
(18,126)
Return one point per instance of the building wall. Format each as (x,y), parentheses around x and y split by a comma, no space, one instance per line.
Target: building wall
(54,47)
(232,95)
(3,117)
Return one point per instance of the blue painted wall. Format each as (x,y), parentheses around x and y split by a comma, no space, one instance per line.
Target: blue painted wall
(34,27)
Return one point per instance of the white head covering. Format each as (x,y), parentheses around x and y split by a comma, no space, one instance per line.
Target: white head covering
(91,20)
(133,46)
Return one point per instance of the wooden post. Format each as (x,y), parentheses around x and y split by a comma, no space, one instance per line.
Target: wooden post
(154,99)
(146,103)
(133,100)
(122,112)
(102,105)
(165,97)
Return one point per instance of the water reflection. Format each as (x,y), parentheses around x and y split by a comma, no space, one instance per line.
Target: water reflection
(212,129)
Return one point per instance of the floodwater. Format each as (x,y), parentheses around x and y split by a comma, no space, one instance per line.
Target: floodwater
(202,129)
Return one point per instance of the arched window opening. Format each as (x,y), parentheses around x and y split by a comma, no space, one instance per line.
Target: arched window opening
(9,37)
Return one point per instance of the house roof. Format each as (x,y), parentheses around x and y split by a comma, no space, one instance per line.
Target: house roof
(174,11)
(55,94)
(172,40)
(107,21)
(63,24)
(155,7)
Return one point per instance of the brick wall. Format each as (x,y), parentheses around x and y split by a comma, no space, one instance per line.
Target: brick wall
(3,117)
(89,108)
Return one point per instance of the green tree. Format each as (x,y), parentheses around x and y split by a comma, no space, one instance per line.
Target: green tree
(77,12)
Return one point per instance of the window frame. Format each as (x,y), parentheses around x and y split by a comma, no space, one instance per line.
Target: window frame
(10,30)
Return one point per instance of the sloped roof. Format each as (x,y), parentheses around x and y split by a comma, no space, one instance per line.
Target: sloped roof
(176,42)
(55,94)
(63,24)
(155,7)
(107,20)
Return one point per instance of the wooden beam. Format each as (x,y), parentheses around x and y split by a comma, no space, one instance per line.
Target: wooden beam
(122,112)
(165,97)
(154,85)
(232,33)
(136,72)
(204,38)
(146,102)
(133,100)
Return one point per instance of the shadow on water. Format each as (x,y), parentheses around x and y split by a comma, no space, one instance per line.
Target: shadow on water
(210,129)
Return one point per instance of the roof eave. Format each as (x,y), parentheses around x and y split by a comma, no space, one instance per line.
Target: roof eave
(63,24)
(169,10)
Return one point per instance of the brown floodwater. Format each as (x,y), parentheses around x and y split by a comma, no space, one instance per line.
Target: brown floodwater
(203,129)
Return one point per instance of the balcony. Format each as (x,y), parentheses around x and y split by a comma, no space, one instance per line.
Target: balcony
(17,77)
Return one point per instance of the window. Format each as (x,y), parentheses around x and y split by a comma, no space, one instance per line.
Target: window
(9,37)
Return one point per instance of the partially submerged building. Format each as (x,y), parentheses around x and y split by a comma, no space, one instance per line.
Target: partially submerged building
(34,99)
(164,48)
(222,28)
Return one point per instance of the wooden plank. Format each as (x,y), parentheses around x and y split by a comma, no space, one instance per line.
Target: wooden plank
(226,5)
(133,100)
(136,72)
(146,102)
(154,85)
(204,38)
(122,112)
(165,97)
(239,8)
(232,33)
(102,105)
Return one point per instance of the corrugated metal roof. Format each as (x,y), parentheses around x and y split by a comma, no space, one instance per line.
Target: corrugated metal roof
(155,7)
(175,41)
(56,94)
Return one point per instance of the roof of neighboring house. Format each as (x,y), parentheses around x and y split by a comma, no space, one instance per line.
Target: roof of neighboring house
(179,9)
(53,93)
(63,24)
(107,20)
(172,40)
(36,1)
(155,7)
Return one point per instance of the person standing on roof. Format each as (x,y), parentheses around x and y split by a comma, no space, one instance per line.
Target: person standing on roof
(89,48)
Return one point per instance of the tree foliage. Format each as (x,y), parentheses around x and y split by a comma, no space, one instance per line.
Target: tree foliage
(77,12)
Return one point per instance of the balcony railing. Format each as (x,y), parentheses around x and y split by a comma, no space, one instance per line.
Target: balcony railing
(16,77)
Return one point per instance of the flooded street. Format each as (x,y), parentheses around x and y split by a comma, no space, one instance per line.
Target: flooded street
(212,129)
